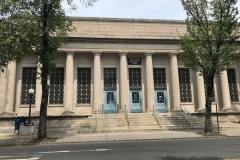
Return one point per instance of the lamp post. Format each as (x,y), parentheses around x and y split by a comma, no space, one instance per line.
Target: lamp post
(31,92)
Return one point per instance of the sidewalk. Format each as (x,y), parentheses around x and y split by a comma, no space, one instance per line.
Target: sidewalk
(9,139)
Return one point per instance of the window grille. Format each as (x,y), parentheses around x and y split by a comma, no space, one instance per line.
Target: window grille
(110,78)
(29,76)
(57,86)
(232,83)
(159,76)
(84,86)
(135,77)
(185,86)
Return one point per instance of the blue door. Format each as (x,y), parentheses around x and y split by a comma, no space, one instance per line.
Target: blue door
(161,100)
(135,101)
(110,105)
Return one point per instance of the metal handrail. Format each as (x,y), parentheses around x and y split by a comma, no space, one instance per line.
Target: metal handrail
(156,115)
(127,115)
(187,115)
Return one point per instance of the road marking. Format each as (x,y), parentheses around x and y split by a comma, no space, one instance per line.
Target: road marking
(31,157)
(67,151)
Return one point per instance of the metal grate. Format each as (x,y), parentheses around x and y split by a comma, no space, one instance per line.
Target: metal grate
(232,83)
(135,78)
(159,76)
(84,86)
(29,75)
(185,86)
(110,78)
(57,86)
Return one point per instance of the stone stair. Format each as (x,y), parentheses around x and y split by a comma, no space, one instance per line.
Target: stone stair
(173,121)
(143,122)
(112,123)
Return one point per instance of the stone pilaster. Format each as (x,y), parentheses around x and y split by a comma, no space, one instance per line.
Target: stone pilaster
(10,88)
(175,81)
(97,80)
(150,82)
(68,94)
(225,96)
(38,91)
(200,92)
(124,87)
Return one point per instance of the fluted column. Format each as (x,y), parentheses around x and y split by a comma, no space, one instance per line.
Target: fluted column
(10,88)
(150,81)
(175,81)
(38,91)
(200,92)
(124,87)
(97,80)
(68,94)
(225,96)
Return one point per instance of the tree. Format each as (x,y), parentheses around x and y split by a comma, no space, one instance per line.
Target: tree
(44,28)
(209,44)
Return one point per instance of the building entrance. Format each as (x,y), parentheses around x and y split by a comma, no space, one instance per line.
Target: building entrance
(161,100)
(110,103)
(135,101)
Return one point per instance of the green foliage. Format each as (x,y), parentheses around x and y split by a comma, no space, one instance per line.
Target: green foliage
(212,30)
(209,44)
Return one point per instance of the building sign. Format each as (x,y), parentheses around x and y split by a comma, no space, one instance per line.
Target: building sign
(134,61)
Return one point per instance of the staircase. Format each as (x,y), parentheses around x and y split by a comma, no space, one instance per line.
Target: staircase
(173,121)
(112,123)
(143,122)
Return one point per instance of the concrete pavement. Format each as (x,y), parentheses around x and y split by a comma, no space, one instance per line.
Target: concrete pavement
(8,139)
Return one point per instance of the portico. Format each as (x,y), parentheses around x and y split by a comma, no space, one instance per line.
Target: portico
(110,65)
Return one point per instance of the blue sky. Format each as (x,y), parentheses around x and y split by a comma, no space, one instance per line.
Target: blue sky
(145,9)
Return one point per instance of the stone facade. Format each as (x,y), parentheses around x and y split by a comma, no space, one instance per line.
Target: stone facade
(108,65)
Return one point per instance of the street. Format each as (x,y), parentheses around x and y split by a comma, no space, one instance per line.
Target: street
(184,149)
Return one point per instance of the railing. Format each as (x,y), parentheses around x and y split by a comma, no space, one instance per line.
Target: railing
(127,116)
(156,115)
(186,114)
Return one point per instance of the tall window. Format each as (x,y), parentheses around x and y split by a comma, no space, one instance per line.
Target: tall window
(110,78)
(159,76)
(233,90)
(135,77)
(57,86)
(84,86)
(29,75)
(185,86)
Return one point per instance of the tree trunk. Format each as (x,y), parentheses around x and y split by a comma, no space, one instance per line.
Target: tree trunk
(45,61)
(42,131)
(209,81)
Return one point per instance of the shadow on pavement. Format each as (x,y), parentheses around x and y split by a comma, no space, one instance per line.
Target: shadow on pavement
(189,158)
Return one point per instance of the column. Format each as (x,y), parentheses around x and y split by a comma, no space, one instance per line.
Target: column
(200,92)
(68,94)
(150,82)
(10,88)
(175,81)
(38,91)
(225,96)
(97,80)
(124,87)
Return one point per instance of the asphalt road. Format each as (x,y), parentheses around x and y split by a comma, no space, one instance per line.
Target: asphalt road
(190,149)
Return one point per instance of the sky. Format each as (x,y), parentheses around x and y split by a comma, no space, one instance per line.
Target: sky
(139,9)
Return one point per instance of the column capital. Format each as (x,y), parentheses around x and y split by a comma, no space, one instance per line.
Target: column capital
(70,51)
(122,53)
(96,52)
(174,53)
(148,53)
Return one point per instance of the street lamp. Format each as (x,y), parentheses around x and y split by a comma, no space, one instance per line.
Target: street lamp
(31,92)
